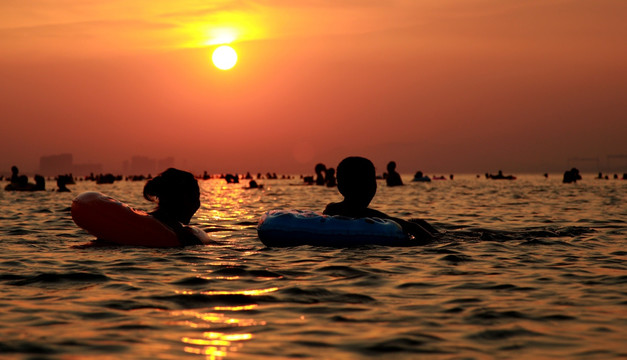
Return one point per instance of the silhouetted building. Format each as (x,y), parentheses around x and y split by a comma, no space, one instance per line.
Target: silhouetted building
(164,164)
(55,164)
(86,169)
(146,165)
(143,165)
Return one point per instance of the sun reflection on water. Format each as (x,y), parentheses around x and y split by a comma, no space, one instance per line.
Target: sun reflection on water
(254,292)
(236,308)
(218,344)
(225,202)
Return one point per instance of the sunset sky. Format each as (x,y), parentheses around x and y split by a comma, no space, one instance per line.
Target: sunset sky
(438,86)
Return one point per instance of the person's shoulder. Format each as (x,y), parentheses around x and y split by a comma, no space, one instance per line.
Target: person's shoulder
(191,236)
(333,209)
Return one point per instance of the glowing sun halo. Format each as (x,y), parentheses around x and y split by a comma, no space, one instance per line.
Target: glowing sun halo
(224,57)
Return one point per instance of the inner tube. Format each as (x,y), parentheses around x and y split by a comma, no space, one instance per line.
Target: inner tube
(286,228)
(422,179)
(113,221)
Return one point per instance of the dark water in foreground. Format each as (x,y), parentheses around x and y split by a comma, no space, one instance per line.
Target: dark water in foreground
(530,268)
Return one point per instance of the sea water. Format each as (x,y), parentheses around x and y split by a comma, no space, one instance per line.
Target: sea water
(530,268)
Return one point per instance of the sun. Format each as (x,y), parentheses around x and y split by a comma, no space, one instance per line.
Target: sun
(224,57)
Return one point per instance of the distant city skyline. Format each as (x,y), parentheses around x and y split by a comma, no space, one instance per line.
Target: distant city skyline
(57,164)
(52,165)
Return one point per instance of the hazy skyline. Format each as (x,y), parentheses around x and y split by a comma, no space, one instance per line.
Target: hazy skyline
(461,86)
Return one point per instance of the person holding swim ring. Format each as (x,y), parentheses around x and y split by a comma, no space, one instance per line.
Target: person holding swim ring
(357,182)
(177,195)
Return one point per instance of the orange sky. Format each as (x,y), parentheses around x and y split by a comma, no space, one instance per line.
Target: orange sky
(451,86)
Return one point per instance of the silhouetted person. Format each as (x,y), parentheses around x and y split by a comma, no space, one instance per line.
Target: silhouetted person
(571,176)
(320,169)
(419,176)
(330,177)
(231,179)
(15,174)
(40,183)
(356,181)
(62,180)
(393,178)
(177,195)
(21,182)
(252,184)
(105,179)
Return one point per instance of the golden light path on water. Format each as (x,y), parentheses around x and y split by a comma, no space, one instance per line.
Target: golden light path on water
(225,205)
(216,344)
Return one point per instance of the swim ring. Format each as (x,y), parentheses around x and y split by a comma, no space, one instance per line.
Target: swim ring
(111,220)
(422,179)
(283,228)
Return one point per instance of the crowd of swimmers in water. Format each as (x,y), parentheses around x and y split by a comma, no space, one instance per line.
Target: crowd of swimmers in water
(177,194)
(323,176)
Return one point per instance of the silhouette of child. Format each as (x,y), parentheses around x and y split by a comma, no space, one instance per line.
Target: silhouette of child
(356,181)
(177,195)
(20,182)
(330,177)
(62,180)
(393,178)
(15,174)
(320,170)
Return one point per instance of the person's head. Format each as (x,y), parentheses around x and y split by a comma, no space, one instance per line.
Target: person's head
(39,180)
(391,166)
(14,170)
(357,180)
(176,192)
(62,181)
(320,168)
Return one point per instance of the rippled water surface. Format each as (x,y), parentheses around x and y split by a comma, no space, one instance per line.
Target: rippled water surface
(530,268)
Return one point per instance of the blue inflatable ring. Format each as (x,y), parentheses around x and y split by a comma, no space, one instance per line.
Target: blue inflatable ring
(284,228)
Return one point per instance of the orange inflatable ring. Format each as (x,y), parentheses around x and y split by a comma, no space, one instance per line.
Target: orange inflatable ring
(111,220)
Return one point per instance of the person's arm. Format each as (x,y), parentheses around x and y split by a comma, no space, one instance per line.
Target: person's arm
(195,236)
(425,225)
(420,229)
(420,233)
